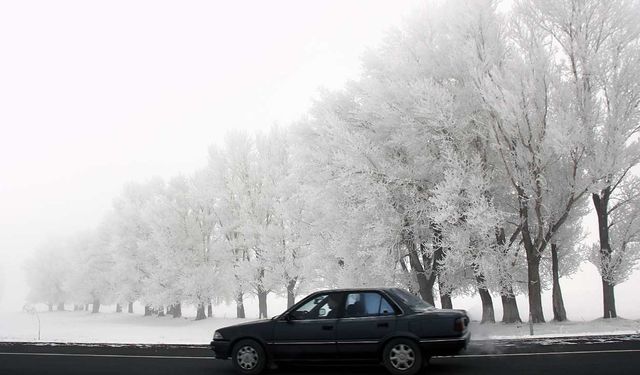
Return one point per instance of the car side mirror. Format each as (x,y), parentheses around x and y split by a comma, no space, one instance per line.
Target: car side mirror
(288,318)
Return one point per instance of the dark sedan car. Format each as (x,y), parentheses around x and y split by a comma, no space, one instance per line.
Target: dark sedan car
(387,325)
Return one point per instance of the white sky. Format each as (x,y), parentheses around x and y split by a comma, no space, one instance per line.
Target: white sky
(97,93)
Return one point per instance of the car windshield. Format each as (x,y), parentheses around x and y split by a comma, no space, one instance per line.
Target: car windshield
(415,303)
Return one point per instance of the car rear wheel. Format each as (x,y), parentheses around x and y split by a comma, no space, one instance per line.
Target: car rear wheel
(402,357)
(248,357)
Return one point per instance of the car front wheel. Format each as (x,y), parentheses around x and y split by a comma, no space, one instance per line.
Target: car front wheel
(249,357)
(402,357)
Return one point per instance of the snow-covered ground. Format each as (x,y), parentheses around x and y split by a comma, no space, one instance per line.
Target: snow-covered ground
(109,327)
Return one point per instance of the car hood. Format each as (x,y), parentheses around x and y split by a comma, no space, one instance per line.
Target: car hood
(245,327)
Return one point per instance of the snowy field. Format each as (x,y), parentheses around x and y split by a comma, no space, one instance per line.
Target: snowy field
(109,327)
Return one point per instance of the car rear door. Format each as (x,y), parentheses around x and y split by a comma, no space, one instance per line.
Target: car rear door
(309,333)
(369,317)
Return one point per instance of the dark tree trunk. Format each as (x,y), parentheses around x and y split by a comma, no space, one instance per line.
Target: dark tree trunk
(601,204)
(60,306)
(200,315)
(291,296)
(424,285)
(488,314)
(170,310)
(148,310)
(50,306)
(510,312)
(445,298)
(176,310)
(118,308)
(445,301)
(262,303)
(160,311)
(76,307)
(427,265)
(86,307)
(609,299)
(96,306)
(559,312)
(535,291)
(210,310)
(240,306)
(536,313)
(130,308)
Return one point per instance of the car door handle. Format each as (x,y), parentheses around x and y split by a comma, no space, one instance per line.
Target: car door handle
(383,325)
(327,328)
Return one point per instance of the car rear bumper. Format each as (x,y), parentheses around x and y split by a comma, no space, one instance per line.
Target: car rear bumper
(220,348)
(445,346)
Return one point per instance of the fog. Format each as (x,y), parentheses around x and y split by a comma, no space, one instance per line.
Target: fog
(96,94)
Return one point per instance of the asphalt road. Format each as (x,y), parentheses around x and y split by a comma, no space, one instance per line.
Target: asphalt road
(593,355)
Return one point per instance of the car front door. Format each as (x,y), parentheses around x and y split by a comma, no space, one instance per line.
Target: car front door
(309,332)
(368,318)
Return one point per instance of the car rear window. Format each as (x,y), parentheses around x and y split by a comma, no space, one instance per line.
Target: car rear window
(414,302)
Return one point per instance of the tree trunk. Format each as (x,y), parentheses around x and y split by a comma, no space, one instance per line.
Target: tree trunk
(130,308)
(118,308)
(60,306)
(86,307)
(262,303)
(535,291)
(200,315)
(240,306)
(291,296)
(148,310)
(536,313)
(488,314)
(96,306)
(50,306)
(609,300)
(425,284)
(510,313)
(160,311)
(210,310)
(559,312)
(176,310)
(445,298)
(601,203)
(445,301)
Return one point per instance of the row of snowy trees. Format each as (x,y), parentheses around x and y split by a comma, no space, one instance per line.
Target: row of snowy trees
(463,160)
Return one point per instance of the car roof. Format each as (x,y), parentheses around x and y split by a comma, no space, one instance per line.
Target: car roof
(346,290)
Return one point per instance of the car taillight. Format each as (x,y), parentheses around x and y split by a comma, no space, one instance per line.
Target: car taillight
(459,324)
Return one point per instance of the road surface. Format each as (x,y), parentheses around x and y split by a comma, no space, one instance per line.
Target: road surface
(592,355)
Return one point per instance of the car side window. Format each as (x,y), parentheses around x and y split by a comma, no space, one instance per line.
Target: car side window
(367,304)
(323,306)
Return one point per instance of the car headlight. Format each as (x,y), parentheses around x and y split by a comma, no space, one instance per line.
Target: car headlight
(217,336)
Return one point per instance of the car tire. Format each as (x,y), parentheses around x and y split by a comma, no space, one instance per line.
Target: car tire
(248,357)
(402,357)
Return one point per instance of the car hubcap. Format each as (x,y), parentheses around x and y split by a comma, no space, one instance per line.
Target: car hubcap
(247,357)
(402,357)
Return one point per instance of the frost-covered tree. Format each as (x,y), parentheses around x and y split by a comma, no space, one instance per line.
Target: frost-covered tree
(91,265)
(599,53)
(535,131)
(47,273)
(624,231)
(129,243)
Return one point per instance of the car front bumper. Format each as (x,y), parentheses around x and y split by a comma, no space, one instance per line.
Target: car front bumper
(220,348)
